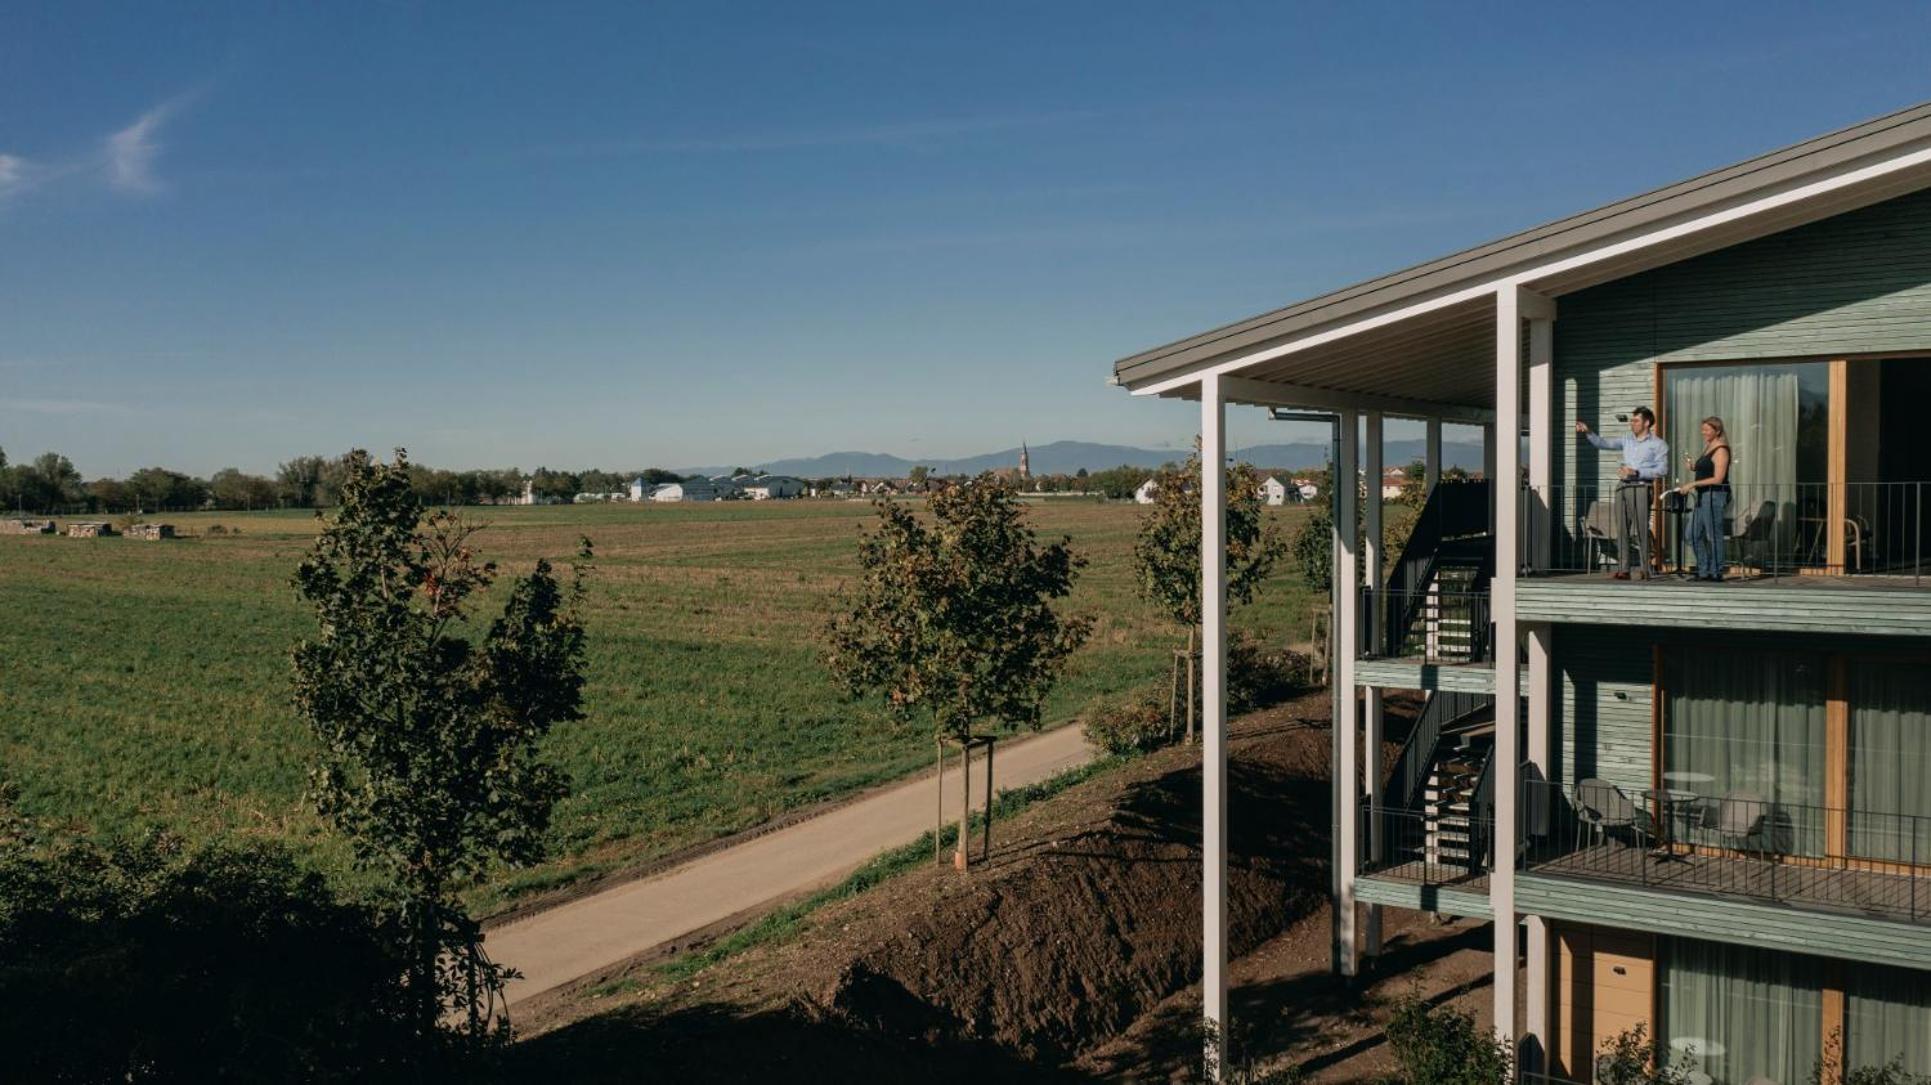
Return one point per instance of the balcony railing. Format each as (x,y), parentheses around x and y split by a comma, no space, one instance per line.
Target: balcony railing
(1770,529)
(1426,847)
(1814,857)
(1431,626)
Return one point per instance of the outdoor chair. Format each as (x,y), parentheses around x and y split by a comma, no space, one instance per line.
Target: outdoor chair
(1598,530)
(1753,536)
(1603,807)
(1739,820)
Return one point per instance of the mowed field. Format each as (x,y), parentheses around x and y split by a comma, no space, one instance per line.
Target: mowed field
(147,684)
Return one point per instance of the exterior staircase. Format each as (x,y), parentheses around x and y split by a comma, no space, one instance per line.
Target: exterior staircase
(1453,802)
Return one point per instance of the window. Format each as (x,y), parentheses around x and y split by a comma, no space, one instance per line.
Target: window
(1749,727)
(1738,1014)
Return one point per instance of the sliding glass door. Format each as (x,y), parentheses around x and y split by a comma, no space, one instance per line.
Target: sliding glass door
(1777,421)
(1747,728)
(1740,1014)
(1890,760)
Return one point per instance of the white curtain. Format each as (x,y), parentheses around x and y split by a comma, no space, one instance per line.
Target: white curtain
(1751,723)
(1890,785)
(1737,1013)
(1759,407)
(1887,1015)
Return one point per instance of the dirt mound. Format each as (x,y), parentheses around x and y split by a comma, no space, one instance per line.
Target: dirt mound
(1065,941)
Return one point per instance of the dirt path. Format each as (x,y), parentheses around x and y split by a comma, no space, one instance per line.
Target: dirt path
(576,939)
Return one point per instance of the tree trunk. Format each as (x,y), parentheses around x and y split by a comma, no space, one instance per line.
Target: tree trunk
(938,785)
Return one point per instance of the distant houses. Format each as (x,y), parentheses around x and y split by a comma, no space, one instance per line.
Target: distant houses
(1143,495)
(26,527)
(1274,492)
(773,487)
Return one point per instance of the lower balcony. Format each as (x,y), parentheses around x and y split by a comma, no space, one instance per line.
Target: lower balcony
(1817,859)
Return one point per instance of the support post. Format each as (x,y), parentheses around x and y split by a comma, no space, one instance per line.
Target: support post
(1373,561)
(1504,485)
(1213,697)
(1346,640)
(1538,641)
(960,857)
(938,826)
(1431,453)
(985,849)
(1540,529)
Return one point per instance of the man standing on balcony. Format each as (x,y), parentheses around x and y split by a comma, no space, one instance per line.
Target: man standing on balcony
(1646,458)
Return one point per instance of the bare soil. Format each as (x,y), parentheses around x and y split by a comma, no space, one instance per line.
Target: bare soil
(1072,955)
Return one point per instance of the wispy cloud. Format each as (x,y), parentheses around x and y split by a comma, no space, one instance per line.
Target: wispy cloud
(124,160)
(129,154)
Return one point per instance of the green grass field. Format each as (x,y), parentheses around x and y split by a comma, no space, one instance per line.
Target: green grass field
(148,683)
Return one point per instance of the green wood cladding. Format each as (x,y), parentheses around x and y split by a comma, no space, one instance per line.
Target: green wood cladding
(1444,899)
(1737,922)
(1794,605)
(1856,283)
(1602,707)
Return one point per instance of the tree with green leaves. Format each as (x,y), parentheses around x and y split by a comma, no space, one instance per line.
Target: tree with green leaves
(1166,553)
(953,620)
(428,733)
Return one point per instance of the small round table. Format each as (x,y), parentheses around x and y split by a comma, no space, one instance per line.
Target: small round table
(1670,802)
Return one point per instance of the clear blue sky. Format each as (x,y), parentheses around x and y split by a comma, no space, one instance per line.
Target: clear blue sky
(633,234)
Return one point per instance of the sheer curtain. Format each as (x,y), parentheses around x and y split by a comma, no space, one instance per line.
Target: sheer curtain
(1759,406)
(1887,1015)
(1751,723)
(1890,785)
(1738,1013)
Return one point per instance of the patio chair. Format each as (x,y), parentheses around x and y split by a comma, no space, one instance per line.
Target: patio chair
(1598,531)
(1739,821)
(1603,807)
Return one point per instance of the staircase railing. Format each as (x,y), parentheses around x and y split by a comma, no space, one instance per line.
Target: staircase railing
(1419,752)
(1454,510)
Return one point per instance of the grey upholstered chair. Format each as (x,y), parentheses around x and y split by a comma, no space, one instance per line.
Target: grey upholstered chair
(1603,807)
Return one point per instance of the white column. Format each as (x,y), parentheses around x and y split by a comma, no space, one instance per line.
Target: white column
(1489,468)
(1431,454)
(1347,638)
(1213,726)
(1541,437)
(1373,561)
(1537,638)
(1506,454)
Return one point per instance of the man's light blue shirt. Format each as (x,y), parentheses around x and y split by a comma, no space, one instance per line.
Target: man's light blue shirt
(1648,454)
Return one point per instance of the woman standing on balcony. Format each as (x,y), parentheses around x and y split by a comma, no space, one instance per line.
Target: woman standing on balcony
(1710,520)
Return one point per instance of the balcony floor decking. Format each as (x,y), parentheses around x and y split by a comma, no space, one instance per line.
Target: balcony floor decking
(1874,894)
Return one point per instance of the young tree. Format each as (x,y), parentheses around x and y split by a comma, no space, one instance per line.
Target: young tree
(1166,555)
(428,737)
(954,621)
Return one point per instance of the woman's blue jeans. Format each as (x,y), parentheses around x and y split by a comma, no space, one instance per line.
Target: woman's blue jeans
(1706,532)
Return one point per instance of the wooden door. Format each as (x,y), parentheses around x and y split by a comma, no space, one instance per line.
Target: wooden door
(1603,984)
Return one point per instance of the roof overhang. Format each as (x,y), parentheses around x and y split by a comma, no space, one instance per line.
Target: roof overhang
(1421,341)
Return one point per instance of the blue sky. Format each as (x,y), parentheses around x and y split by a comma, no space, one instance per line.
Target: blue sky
(684,234)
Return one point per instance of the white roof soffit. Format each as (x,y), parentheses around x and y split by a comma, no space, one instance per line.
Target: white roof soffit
(1431,341)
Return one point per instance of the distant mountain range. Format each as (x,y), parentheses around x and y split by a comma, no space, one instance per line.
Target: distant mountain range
(1067,457)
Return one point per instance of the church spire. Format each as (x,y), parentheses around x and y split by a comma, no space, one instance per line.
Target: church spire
(1025,461)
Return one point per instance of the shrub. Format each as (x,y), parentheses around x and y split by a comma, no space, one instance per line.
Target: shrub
(1258,676)
(1441,1046)
(1629,1058)
(143,960)
(1132,723)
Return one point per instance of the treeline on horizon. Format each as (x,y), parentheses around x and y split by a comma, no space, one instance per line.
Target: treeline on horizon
(50,483)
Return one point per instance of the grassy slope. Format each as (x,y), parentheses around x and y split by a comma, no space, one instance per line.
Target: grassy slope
(147,683)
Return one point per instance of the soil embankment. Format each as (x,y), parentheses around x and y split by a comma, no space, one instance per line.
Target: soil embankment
(1068,956)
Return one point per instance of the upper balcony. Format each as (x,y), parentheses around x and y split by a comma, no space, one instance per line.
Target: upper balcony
(1795,557)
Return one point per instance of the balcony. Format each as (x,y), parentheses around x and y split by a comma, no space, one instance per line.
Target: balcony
(1797,558)
(1814,858)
